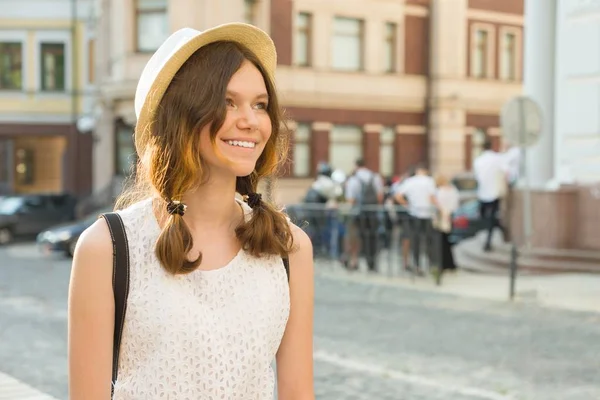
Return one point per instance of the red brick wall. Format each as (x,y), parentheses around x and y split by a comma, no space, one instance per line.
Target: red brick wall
(281,29)
(409,150)
(416,38)
(355,117)
(371,150)
(319,149)
(505,6)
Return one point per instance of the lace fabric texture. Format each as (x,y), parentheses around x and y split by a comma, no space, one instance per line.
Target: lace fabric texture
(207,335)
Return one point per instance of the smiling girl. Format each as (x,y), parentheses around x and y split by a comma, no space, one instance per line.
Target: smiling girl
(210,305)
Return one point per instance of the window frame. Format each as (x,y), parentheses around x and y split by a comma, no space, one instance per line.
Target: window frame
(304,141)
(42,66)
(10,36)
(63,37)
(308,31)
(19,43)
(361,37)
(122,130)
(136,23)
(517,55)
(489,67)
(391,43)
(387,142)
(358,141)
(251,12)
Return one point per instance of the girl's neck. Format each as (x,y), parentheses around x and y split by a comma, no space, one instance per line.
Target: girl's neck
(212,205)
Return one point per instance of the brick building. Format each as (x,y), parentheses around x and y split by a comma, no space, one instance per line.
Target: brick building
(393,81)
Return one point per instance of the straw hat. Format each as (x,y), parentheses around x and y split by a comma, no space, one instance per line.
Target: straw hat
(175,51)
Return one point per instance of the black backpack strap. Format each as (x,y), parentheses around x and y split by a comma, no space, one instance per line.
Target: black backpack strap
(286,265)
(120,282)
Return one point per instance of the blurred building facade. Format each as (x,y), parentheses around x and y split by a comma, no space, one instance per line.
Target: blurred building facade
(395,82)
(564,79)
(46,87)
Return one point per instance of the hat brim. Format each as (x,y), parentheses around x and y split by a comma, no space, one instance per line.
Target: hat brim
(249,36)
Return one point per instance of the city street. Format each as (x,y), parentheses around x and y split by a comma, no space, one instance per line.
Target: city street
(372,341)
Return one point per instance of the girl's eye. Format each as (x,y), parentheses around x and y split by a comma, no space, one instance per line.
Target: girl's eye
(229,102)
(261,106)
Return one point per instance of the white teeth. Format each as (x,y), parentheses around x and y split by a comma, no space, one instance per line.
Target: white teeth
(241,143)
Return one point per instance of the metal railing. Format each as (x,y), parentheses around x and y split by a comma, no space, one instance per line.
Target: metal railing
(381,239)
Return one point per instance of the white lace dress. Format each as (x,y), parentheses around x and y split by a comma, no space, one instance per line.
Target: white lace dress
(207,335)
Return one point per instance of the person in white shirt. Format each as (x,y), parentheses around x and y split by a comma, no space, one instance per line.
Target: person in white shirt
(491,173)
(418,193)
(404,222)
(512,159)
(324,189)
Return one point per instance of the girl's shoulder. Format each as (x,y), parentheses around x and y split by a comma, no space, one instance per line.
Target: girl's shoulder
(138,216)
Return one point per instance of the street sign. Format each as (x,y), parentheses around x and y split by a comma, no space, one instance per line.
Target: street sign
(521,121)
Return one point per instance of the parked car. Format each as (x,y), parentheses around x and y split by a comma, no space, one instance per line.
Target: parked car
(466,185)
(466,222)
(63,238)
(23,215)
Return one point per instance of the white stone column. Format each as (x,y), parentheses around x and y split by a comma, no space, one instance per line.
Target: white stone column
(539,66)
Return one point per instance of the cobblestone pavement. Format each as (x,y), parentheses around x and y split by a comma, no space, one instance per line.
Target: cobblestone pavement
(372,341)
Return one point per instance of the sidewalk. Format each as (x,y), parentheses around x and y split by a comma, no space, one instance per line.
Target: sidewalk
(575,292)
(12,389)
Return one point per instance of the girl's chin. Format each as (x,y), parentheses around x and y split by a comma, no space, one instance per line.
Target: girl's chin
(234,169)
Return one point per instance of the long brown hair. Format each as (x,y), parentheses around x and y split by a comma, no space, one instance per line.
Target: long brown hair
(171,165)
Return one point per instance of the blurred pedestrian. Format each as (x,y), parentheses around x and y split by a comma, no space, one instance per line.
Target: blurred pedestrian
(323,224)
(324,189)
(491,174)
(364,191)
(447,200)
(418,194)
(403,216)
(209,302)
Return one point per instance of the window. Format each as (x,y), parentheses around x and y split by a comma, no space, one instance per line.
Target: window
(53,67)
(250,12)
(126,155)
(11,66)
(508,68)
(347,44)
(345,146)
(302,150)
(152,24)
(389,60)
(386,151)
(479,60)
(302,44)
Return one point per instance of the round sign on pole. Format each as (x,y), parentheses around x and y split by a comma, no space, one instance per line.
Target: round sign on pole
(521,121)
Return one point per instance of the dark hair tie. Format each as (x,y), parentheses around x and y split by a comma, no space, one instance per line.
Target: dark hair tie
(253,199)
(176,207)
